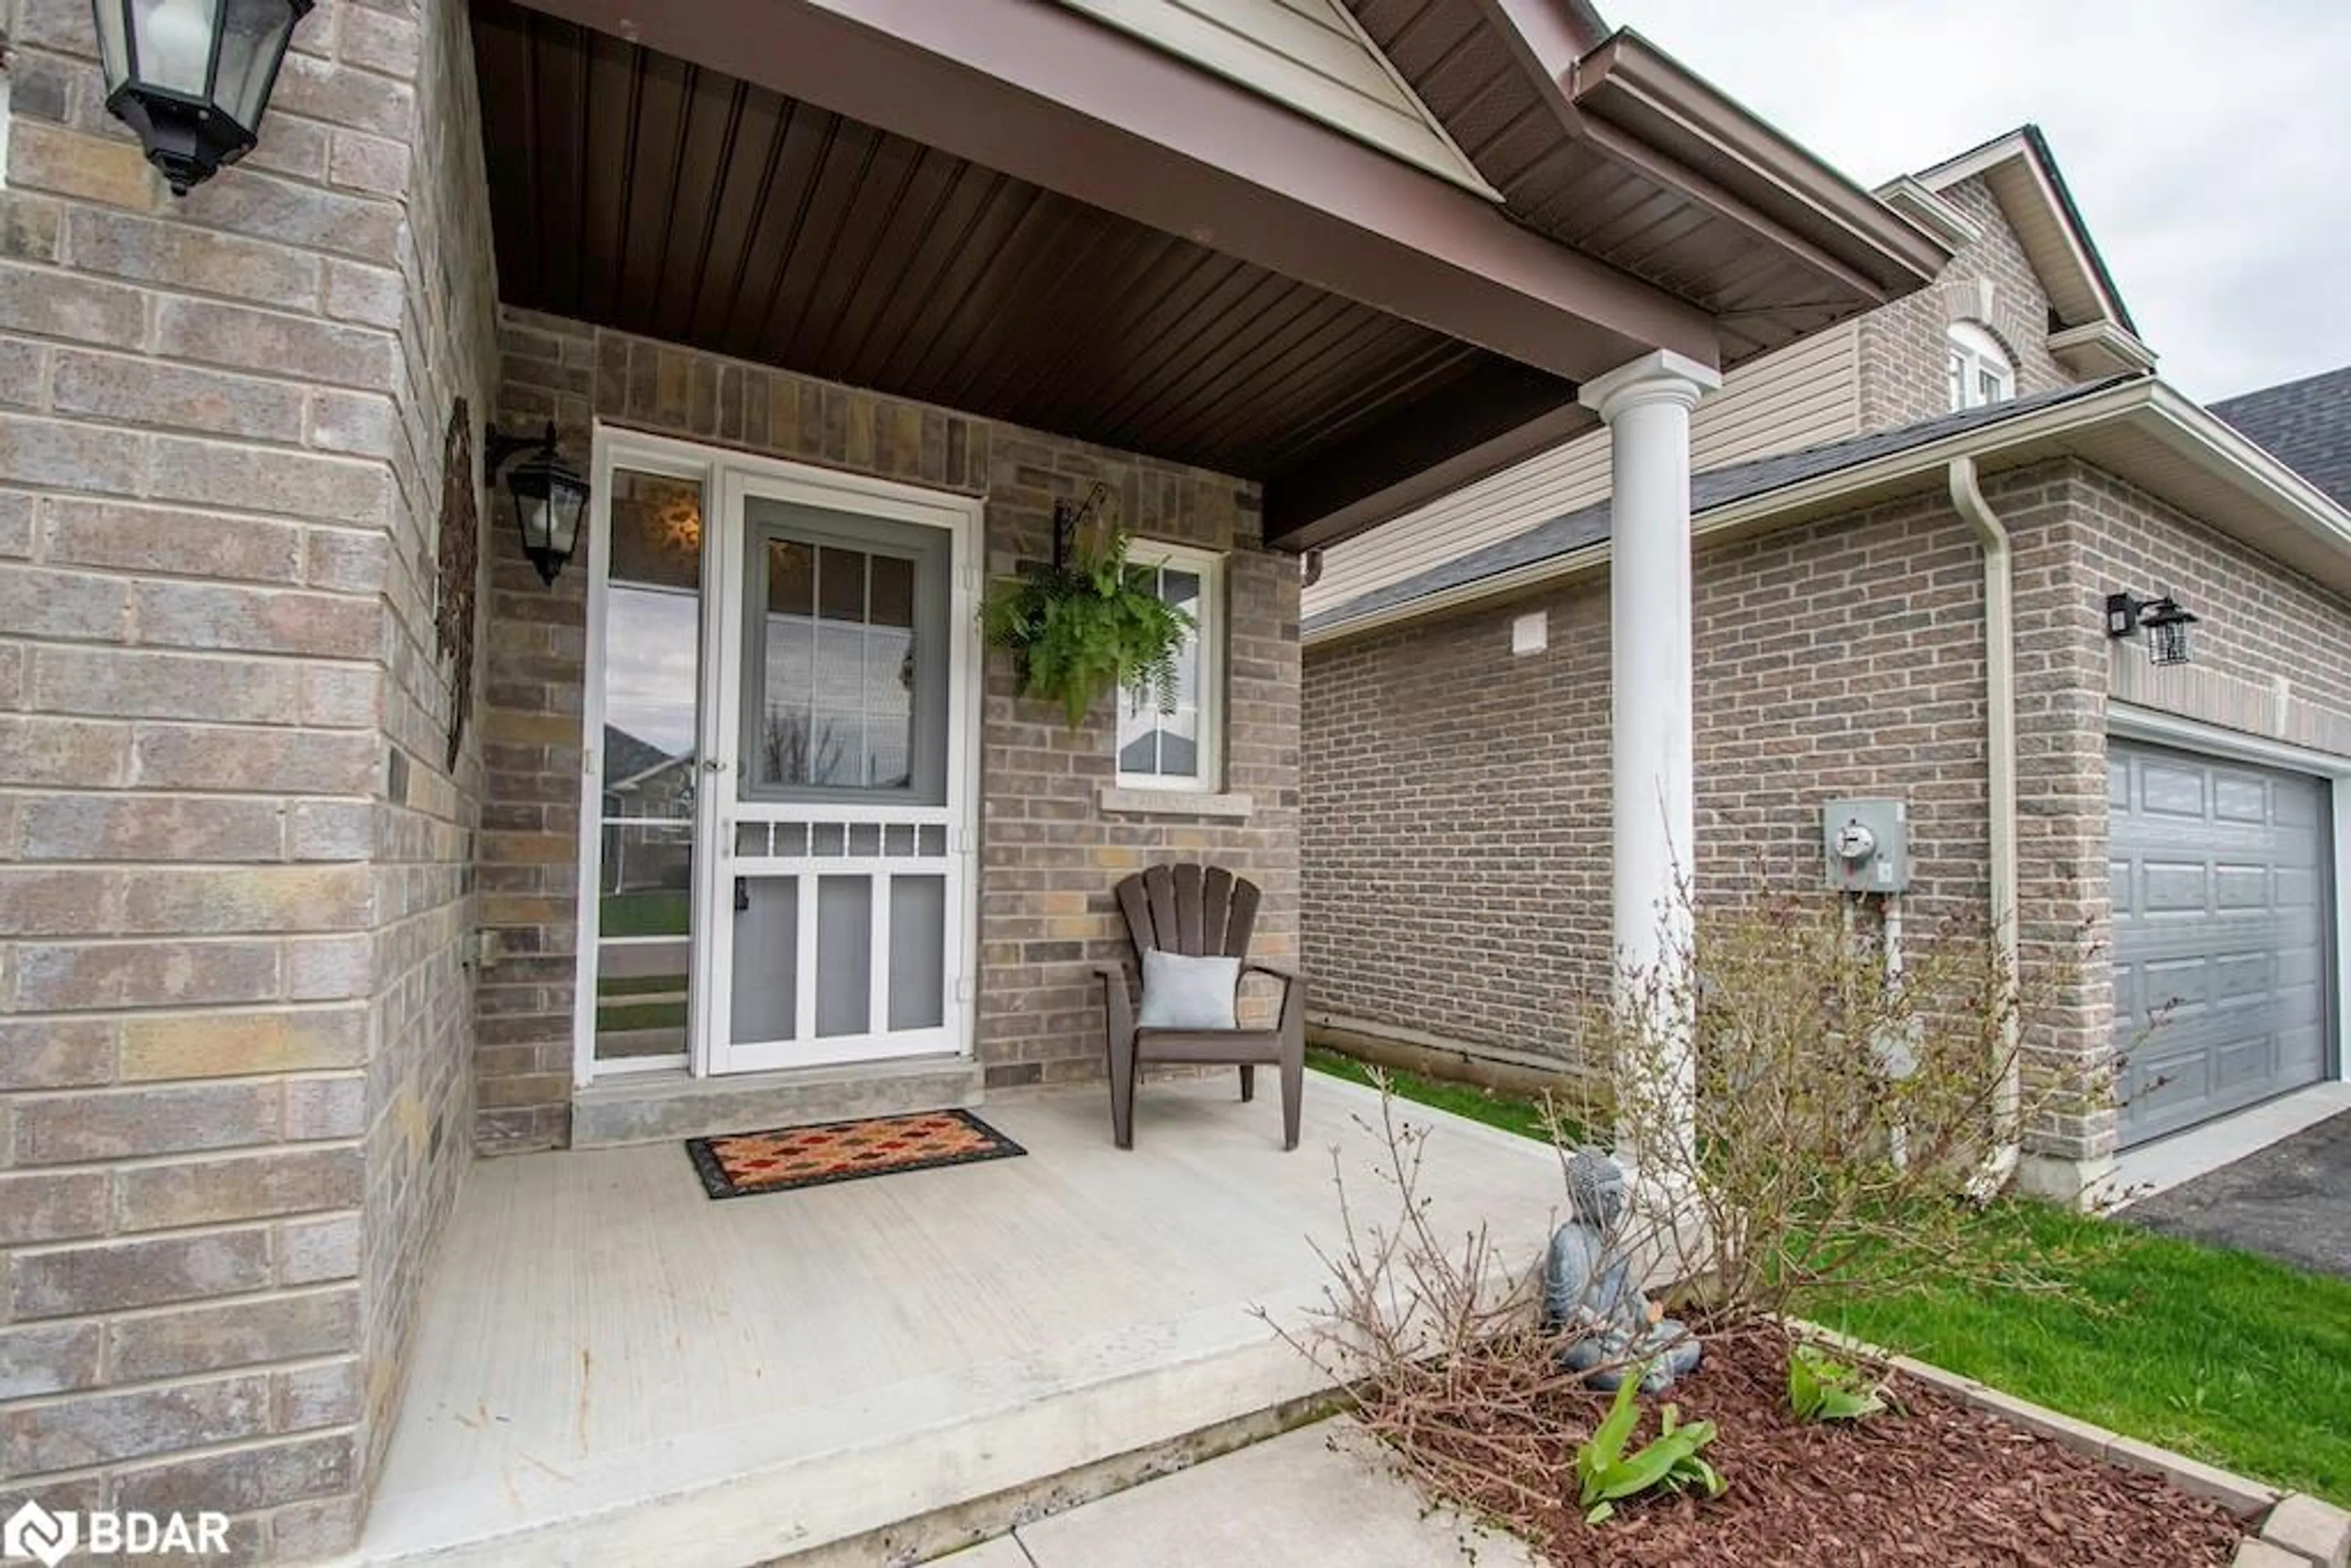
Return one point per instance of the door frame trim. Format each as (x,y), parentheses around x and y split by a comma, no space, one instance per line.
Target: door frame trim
(880,502)
(2152,726)
(710,465)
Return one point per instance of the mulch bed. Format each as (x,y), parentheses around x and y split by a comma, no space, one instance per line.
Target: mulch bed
(1930,1481)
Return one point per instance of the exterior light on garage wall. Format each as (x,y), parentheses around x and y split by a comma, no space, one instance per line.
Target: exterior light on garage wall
(550,498)
(192,76)
(2161,620)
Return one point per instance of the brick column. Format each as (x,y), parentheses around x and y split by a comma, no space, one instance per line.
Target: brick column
(231,863)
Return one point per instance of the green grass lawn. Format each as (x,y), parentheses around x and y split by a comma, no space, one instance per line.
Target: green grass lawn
(612,1020)
(639,985)
(659,912)
(2227,1357)
(1504,1110)
(2232,1359)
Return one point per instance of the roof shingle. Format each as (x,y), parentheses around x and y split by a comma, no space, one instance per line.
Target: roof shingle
(2305,424)
(1716,487)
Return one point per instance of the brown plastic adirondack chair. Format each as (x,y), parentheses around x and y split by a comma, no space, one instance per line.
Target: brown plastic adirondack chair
(1201,912)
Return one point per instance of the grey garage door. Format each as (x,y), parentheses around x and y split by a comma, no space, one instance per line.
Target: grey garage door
(2222,904)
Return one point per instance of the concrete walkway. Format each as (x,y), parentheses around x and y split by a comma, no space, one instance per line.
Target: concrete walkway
(1320,1497)
(2291,1201)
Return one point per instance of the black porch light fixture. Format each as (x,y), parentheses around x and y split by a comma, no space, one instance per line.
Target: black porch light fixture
(192,76)
(2162,620)
(550,498)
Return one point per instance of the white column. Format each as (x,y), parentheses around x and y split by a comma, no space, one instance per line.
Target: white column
(1646,405)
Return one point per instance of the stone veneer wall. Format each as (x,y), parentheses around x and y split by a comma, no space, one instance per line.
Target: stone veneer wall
(1050,853)
(1456,838)
(230,1012)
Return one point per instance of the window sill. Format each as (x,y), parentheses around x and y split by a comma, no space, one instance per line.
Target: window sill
(1173,802)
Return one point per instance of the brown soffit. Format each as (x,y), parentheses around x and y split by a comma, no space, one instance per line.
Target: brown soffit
(1054,98)
(1604,145)
(1411,461)
(726,216)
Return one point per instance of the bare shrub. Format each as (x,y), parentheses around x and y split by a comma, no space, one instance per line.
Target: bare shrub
(1842,1119)
(1832,1137)
(1435,1342)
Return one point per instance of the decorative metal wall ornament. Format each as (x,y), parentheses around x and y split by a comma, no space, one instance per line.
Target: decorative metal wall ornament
(679,523)
(461,536)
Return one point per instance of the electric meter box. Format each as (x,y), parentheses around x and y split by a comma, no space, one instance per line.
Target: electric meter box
(1867,845)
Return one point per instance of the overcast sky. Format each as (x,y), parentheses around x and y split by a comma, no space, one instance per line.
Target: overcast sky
(2206,143)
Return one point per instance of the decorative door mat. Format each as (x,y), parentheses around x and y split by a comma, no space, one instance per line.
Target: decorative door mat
(738,1165)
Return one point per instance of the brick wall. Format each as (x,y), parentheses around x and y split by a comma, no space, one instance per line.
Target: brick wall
(1050,853)
(2271,649)
(1457,797)
(222,948)
(420,1081)
(1903,349)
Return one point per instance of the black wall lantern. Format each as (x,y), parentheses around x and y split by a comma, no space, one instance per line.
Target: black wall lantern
(2163,622)
(550,498)
(192,76)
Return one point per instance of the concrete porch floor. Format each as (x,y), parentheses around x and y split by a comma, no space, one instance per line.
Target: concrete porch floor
(613,1368)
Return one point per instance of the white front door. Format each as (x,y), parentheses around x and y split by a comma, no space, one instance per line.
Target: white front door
(832,923)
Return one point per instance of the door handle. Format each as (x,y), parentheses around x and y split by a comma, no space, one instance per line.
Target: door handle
(712,764)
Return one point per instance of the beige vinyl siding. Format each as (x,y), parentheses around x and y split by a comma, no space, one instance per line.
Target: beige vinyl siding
(1803,395)
(1308,54)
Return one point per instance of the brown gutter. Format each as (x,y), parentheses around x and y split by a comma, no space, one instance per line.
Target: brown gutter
(1627,100)
(1661,171)
(1657,104)
(1635,104)
(1054,97)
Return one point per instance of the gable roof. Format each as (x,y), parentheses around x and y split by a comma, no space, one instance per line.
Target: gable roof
(2307,424)
(628,759)
(1309,54)
(2093,333)
(2132,426)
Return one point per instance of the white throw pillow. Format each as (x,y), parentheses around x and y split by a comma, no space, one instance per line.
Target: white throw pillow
(1189,993)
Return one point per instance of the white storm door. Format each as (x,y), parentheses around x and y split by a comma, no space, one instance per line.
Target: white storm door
(840,849)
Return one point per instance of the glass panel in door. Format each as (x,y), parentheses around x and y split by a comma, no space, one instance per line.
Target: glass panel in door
(836,846)
(648,770)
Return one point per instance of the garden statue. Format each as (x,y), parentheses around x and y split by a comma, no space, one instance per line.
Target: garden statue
(1589,1293)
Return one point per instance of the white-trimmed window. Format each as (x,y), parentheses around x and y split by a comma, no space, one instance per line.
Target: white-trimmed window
(1179,745)
(1979,370)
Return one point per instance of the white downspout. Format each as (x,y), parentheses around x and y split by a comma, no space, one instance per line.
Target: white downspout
(2000,705)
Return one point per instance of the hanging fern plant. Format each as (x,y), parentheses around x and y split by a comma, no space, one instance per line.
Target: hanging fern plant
(1087,625)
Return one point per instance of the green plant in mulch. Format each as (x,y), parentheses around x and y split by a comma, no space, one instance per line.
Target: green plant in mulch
(1822,1388)
(1086,628)
(1605,1474)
